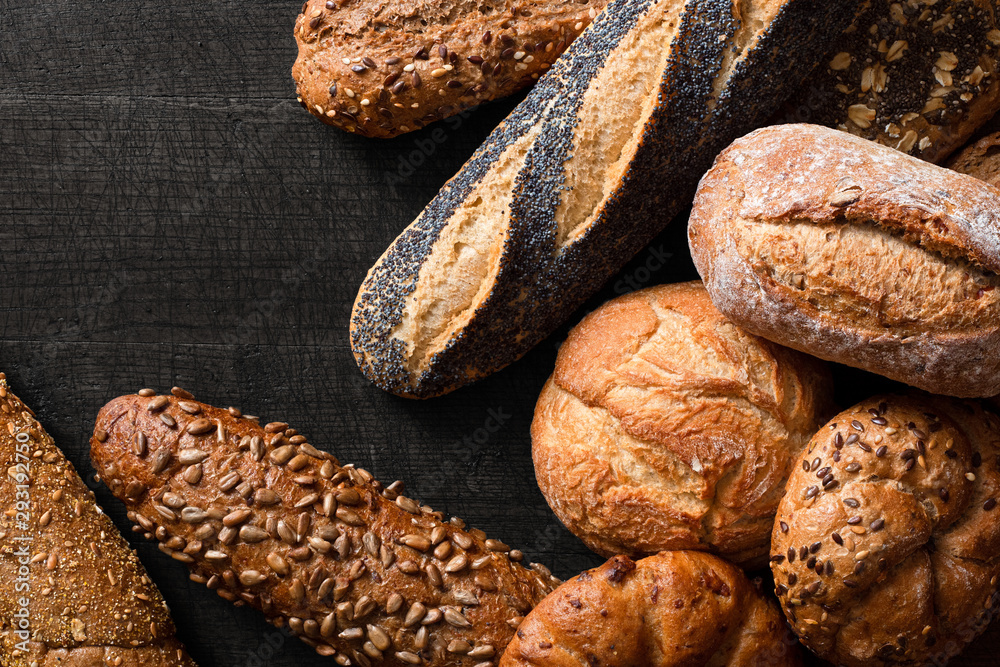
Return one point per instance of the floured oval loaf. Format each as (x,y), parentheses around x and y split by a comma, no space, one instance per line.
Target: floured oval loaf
(603,152)
(853,252)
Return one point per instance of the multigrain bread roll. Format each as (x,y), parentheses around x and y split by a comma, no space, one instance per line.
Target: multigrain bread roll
(981,160)
(919,76)
(603,152)
(72,592)
(853,252)
(359,572)
(886,547)
(384,68)
(677,608)
(665,426)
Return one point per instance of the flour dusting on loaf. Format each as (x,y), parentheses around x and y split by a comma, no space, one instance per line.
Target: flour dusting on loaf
(855,253)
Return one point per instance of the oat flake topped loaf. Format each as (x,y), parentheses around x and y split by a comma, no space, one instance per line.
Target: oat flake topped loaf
(917,75)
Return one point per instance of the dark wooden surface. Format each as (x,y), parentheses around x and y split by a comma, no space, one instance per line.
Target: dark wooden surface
(170,215)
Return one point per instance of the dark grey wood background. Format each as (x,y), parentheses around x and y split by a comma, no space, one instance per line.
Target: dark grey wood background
(170,215)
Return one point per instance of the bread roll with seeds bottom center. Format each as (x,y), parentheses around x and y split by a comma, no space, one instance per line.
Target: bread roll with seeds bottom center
(856,253)
(665,426)
(886,546)
(363,574)
(89,601)
(674,609)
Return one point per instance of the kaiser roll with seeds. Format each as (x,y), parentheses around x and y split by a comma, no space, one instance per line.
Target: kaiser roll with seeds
(665,426)
(855,253)
(886,547)
(674,609)
(380,69)
(72,592)
(356,570)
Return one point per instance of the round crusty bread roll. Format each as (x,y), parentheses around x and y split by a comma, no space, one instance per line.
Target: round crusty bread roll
(675,608)
(664,426)
(886,546)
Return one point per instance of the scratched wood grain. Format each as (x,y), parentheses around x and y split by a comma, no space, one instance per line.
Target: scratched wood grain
(169,215)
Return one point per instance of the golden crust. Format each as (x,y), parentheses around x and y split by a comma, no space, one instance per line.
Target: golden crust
(675,608)
(664,426)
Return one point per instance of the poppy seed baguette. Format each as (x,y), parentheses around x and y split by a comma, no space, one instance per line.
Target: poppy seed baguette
(358,571)
(90,602)
(603,152)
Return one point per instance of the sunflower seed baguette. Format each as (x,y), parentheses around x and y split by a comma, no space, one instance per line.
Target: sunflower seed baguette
(603,152)
(359,572)
(89,601)
(380,69)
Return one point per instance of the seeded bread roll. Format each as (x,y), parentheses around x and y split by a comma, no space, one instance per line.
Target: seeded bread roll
(918,76)
(886,547)
(855,253)
(359,572)
(598,158)
(665,426)
(677,608)
(72,592)
(384,68)
(981,160)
